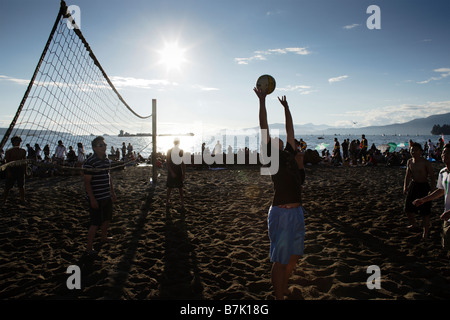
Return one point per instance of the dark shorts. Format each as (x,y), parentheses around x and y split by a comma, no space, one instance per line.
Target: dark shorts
(415,191)
(14,174)
(102,213)
(174,182)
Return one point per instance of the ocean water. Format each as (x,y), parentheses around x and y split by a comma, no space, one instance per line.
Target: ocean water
(193,144)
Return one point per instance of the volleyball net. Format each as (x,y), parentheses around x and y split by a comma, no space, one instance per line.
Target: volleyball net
(70,97)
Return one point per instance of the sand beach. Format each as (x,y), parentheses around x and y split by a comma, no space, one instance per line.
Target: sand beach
(217,248)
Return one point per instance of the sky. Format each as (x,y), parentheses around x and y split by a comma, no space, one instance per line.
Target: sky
(200,59)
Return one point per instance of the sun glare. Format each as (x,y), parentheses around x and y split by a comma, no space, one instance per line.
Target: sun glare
(172,56)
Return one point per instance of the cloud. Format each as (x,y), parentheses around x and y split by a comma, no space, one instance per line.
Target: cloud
(249,59)
(298,88)
(299,51)
(444,73)
(351,26)
(15,80)
(271,13)
(203,88)
(262,55)
(444,70)
(337,79)
(130,82)
(41,83)
(118,82)
(394,114)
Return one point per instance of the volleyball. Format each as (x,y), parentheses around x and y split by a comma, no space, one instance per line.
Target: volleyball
(266,83)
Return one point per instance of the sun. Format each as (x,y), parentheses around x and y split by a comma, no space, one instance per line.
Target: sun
(172,56)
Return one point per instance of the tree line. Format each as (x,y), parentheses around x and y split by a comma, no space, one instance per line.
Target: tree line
(437,129)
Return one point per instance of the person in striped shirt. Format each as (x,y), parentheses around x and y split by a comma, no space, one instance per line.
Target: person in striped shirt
(99,192)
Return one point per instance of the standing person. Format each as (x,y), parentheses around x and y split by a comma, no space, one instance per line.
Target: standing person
(441,143)
(99,192)
(430,149)
(60,153)
(300,154)
(354,153)
(336,158)
(217,148)
(345,149)
(442,190)
(203,155)
(337,146)
(364,145)
(439,148)
(47,152)
(15,173)
(416,186)
(175,172)
(81,156)
(286,224)
(124,151)
(130,148)
(37,150)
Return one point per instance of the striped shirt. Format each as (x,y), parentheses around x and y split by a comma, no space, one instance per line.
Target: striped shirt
(100,182)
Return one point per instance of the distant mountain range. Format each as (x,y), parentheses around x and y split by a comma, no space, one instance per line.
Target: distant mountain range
(421,126)
(33,132)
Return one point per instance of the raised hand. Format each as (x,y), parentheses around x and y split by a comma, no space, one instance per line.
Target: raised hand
(261,94)
(283,101)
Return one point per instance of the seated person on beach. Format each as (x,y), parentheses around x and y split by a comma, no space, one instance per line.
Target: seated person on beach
(285,218)
(416,186)
(175,174)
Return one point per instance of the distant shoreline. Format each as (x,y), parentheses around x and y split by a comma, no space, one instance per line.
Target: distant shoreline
(190,134)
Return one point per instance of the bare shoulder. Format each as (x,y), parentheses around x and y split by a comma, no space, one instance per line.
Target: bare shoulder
(424,161)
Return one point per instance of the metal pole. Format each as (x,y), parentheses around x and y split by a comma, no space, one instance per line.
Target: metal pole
(154,132)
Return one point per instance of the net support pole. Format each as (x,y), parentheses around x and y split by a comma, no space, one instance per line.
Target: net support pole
(154,134)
